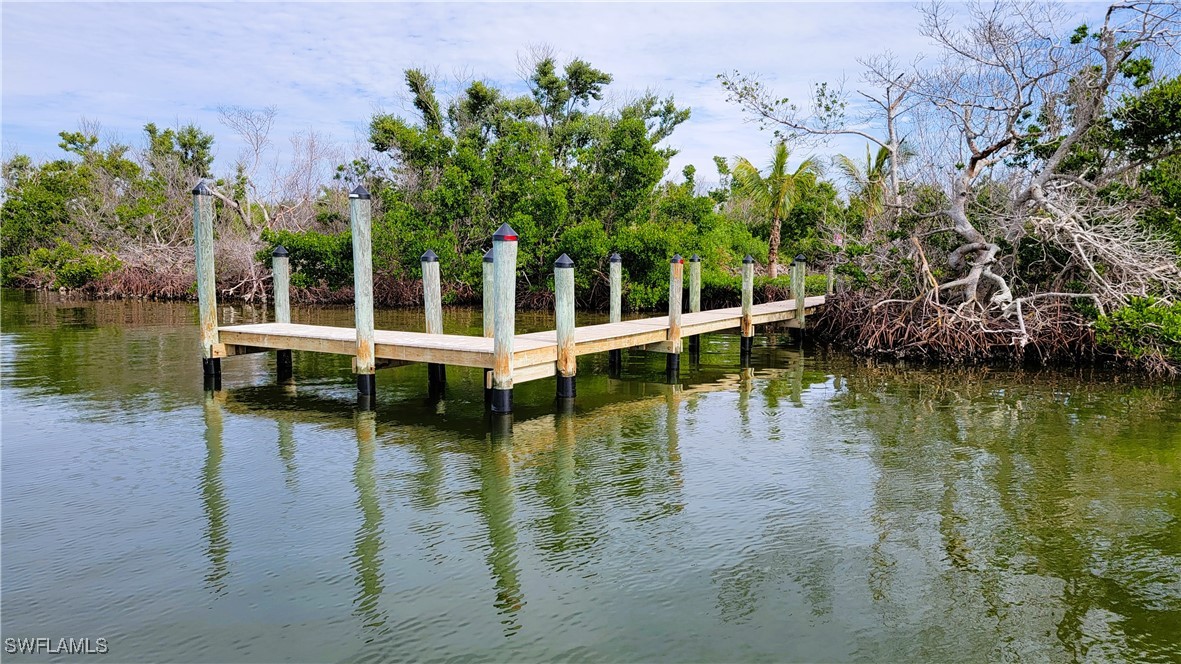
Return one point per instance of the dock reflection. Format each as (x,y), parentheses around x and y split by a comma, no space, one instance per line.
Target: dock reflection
(561,466)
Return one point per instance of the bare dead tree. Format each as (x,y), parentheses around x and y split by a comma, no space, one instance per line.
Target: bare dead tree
(253,126)
(305,179)
(1006,62)
(886,93)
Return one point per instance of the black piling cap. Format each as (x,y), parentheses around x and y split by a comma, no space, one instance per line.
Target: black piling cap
(279,252)
(563,261)
(360,192)
(429,257)
(677,259)
(505,234)
(202,189)
(801,259)
(488,256)
(615,258)
(749,260)
(694,259)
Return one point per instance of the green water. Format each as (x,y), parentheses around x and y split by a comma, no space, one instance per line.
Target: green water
(812,508)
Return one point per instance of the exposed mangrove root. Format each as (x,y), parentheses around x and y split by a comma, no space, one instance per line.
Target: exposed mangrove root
(1048,331)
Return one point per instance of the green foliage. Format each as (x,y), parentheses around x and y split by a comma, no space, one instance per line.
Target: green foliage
(37,201)
(1163,182)
(1142,329)
(1137,69)
(316,259)
(565,178)
(188,146)
(63,266)
(1151,122)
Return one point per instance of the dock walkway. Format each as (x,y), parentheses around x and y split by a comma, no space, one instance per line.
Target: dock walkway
(534,354)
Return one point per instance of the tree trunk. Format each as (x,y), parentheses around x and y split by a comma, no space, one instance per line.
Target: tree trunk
(773,248)
(977,253)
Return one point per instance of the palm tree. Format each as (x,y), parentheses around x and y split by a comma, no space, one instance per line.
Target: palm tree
(775,193)
(868,185)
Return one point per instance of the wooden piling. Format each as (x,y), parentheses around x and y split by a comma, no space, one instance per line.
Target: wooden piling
(615,357)
(281,285)
(798,286)
(564,317)
(504,262)
(694,300)
(830,279)
(676,284)
(364,363)
(487,286)
(206,276)
(748,293)
(432,296)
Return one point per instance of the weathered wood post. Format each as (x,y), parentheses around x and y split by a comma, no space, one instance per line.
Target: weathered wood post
(432,297)
(748,296)
(364,364)
(564,316)
(615,357)
(281,284)
(676,284)
(488,287)
(830,279)
(694,301)
(489,305)
(504,263)
(206,277)
(798,289)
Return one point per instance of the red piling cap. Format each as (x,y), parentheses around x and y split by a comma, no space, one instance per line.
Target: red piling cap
(505,234)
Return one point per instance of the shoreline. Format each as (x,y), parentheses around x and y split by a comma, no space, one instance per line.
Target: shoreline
(830,329)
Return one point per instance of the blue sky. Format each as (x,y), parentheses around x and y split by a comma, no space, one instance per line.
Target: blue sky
(330,67)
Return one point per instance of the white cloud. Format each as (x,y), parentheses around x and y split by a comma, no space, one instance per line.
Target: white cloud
(328,67)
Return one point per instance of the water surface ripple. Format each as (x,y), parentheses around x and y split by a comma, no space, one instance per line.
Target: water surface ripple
(808,508)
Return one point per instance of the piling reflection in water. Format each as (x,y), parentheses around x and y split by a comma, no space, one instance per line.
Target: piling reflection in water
(367,543)
(496,504)
(213,496)
(287,451)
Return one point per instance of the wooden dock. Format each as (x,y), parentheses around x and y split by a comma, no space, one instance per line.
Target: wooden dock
(534,355)
(507,357)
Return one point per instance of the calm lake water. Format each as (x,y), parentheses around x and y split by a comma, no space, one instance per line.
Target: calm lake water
(813,507)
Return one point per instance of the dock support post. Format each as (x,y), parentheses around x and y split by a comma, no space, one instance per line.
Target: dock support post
(615,357)
(676,283)
(695,302)
(206,277)
(564,317)
(364,365)
(281,285)
(432,296)
(830,279)
(798,287)
(504,264)
(489,306)
(748,293)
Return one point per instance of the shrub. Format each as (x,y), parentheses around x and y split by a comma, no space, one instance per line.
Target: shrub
(315,258)
(1143,330)
(65,265)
